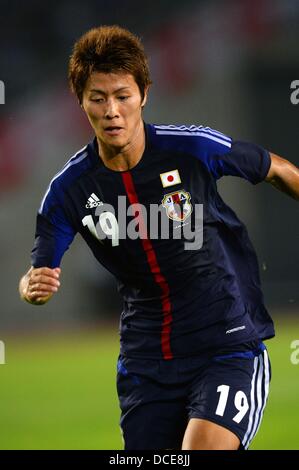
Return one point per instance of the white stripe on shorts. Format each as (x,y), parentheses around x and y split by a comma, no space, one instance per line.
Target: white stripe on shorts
(258,396)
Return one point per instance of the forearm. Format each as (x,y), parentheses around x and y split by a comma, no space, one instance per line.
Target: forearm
(284,176)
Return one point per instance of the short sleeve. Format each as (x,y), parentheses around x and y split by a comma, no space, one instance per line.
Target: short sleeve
(219,153)
(246,160)
(54,233)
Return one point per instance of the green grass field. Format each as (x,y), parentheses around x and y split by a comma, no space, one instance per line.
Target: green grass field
(59,392)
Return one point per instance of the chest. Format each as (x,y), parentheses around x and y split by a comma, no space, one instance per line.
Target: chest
(161,194)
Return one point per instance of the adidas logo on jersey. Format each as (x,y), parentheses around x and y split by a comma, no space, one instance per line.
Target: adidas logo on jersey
(93,201)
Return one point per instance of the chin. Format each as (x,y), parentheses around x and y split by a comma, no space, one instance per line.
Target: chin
(117,142)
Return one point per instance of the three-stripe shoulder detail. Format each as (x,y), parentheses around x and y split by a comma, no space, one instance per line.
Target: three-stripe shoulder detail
(193,131)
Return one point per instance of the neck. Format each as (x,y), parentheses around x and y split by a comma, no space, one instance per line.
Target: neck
(124,158)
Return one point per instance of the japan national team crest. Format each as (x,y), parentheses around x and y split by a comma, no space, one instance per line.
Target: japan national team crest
(178,206)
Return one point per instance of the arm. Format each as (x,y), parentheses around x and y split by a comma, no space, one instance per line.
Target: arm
(284,176)
(38,285)
(53,236)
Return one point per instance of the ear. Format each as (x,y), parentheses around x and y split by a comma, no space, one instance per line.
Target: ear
(145,97)
(81,103)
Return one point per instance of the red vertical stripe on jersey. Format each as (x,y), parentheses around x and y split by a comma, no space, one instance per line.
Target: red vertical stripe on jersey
(155,269)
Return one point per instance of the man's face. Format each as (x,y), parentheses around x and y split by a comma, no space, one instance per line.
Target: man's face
(112,102)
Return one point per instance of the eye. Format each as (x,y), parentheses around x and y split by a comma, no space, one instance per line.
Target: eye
(97,100)
(123,98)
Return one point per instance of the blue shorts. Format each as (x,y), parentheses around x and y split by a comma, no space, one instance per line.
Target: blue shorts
(158,398)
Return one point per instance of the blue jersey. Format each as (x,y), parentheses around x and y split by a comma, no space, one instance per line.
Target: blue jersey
(176,301)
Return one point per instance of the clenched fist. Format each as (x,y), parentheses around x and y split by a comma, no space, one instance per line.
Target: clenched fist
(39,284)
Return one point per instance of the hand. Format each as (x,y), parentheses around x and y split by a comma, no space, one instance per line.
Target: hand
(40,284)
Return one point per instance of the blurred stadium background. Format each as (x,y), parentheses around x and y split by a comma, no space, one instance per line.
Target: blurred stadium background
(228,65)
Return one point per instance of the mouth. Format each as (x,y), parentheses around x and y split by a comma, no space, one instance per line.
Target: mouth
(113,130)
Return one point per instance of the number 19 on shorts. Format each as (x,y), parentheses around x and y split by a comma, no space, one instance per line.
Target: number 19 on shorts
(240,401)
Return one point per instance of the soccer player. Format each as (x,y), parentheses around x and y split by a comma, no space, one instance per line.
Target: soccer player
(193,372)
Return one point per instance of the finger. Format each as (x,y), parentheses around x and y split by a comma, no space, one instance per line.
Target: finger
(39,286)
(34,287)
(42,279)
(46,271)
(38,294)
(42,288)
(33,296)
(52,273)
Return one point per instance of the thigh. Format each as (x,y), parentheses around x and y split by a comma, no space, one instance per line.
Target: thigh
(232,392)
(153,414)
(202,434)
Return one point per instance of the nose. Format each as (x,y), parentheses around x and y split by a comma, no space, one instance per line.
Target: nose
(111,110)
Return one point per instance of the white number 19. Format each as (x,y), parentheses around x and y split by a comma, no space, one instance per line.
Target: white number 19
(241,403)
